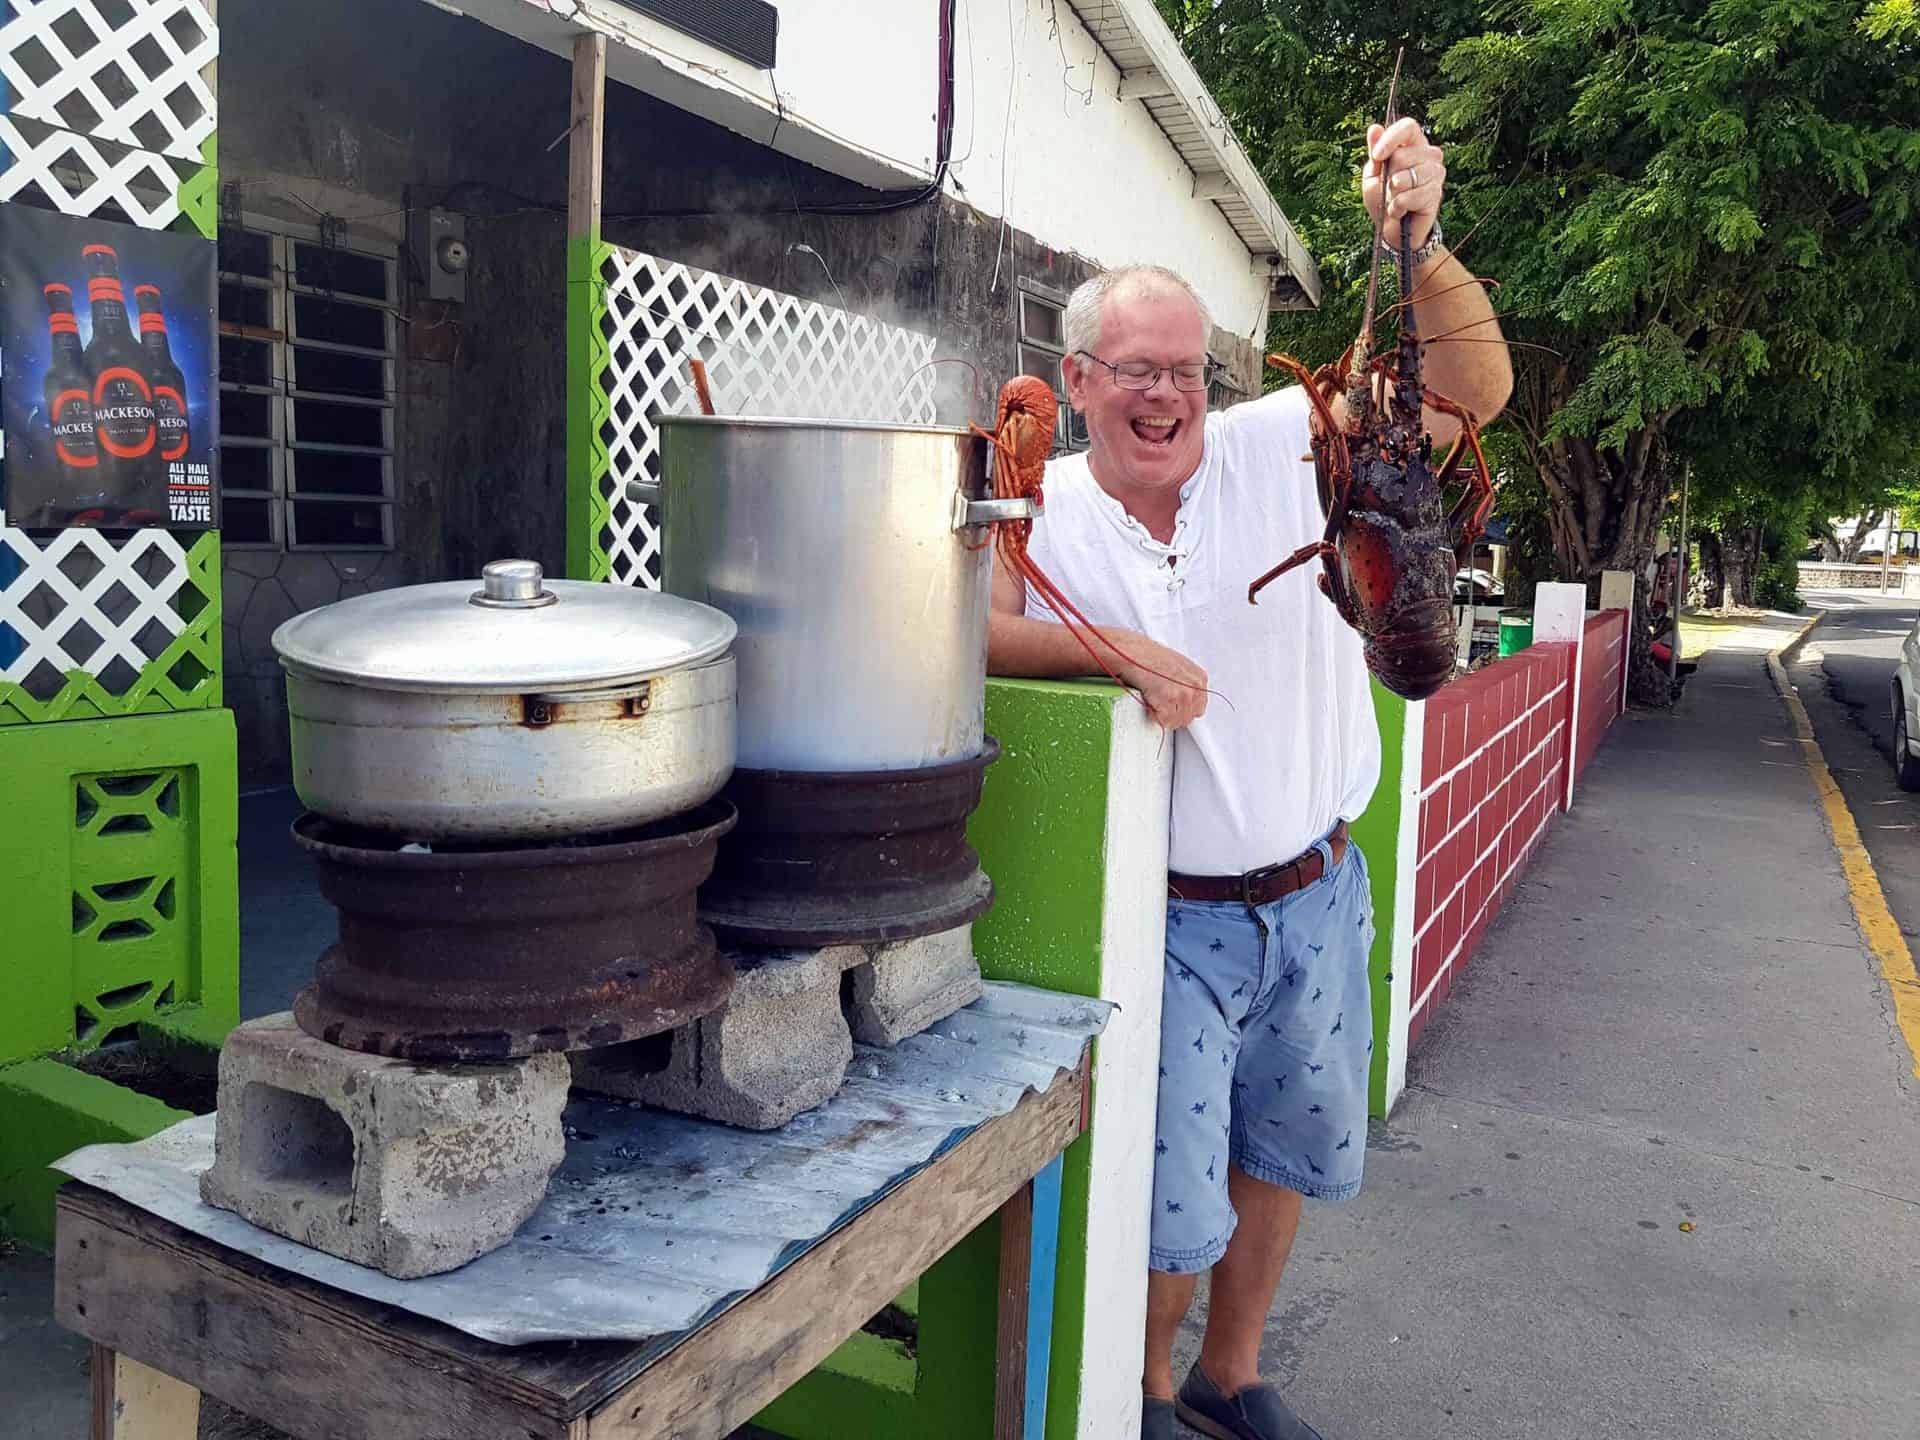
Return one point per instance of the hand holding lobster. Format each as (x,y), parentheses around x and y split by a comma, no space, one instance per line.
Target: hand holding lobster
(1388,554)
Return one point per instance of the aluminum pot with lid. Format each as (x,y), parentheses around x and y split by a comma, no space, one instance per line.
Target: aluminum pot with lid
(521,708)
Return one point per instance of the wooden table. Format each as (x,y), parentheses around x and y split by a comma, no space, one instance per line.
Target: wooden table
(171,1314)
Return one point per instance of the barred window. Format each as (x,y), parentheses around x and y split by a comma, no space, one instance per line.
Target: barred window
(1043,345)
(307,343)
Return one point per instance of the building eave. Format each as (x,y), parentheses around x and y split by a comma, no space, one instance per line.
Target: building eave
(687,73)
(1155,73)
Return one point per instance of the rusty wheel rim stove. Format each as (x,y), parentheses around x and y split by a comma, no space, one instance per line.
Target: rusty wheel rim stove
(501,952)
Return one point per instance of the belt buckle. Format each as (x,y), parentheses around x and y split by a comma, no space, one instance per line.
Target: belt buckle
(1256,877)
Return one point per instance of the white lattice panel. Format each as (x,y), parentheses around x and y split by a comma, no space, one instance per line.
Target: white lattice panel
(81,177)
(84,602)
(131,72)
(766,353)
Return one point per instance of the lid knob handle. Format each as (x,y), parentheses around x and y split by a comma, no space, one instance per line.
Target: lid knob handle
(513,585)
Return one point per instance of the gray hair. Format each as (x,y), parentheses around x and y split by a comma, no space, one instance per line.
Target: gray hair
(1085,305)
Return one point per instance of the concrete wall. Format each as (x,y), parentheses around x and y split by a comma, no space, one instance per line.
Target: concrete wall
(1048,142)
(1815,575)
(314,123)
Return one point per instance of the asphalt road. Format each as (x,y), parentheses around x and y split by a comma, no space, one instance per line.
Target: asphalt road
(1843,674)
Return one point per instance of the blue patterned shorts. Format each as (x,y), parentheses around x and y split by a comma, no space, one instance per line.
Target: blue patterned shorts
(1265,1047)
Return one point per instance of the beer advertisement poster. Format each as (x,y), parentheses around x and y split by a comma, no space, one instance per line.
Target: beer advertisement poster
(110,381)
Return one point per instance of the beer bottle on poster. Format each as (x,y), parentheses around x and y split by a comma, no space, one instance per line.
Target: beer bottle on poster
(68,388)
(123,418)
(169,385)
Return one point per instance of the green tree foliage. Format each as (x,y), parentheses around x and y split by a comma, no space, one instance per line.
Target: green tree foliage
(1699,207)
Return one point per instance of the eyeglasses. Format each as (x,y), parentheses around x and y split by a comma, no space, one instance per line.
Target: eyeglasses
(1144,375)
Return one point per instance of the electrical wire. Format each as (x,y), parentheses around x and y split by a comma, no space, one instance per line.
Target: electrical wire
(1006,160)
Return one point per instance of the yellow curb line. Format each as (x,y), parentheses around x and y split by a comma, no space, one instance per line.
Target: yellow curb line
(1876,921)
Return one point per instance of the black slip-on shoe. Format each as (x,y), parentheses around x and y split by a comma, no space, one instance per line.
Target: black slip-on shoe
(1156,1419)
(1256,1413)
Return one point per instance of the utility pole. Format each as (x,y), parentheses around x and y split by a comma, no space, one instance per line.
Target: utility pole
(1679,596)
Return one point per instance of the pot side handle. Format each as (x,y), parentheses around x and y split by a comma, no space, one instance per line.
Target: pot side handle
(968,512)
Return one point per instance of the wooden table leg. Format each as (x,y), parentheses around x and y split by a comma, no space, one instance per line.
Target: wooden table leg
(1029,1251)
(132,1401)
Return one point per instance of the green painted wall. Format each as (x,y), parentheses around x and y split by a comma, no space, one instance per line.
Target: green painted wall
(1041,833)
(1378,833)
(51,1110)
(119,880)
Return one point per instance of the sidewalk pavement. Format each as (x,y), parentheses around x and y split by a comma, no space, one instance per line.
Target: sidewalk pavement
(1674,1021)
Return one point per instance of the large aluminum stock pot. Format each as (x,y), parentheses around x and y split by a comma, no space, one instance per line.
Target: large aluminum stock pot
(518,708)
(855,559)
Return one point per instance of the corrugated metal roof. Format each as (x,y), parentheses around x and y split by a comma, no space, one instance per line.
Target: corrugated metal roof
(655,1221)
(1155,72)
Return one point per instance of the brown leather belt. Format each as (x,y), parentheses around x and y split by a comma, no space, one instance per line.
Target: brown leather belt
(1268,883)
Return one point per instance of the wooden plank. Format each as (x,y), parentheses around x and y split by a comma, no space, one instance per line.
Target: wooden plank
(724,1373)
(276,1345)
(133,1402)
(586,130)
(1010,1355)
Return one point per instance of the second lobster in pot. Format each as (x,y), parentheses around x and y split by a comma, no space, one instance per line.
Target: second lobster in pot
(1391,542)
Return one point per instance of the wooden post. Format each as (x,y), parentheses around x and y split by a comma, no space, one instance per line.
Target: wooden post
(586,129)
(132,1401)
(1029,1256)
(1016,1274)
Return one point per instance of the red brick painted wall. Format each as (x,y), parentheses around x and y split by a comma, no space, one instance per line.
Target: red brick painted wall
(1603,659)
(1495,752)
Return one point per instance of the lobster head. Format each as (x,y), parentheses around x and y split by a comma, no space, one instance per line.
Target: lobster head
(1028,412)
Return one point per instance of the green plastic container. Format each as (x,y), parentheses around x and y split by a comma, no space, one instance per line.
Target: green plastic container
(1516,631)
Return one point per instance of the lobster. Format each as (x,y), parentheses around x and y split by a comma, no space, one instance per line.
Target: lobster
(1388,554)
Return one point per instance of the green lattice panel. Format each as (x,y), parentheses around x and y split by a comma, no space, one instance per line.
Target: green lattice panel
(130,852)
(199,194)
(589,410)
(184,675)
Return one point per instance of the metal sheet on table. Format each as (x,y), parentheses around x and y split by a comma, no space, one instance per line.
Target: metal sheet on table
(655,1221)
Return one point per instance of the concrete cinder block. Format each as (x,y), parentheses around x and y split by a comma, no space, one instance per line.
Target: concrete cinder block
(901,988)
(409,1169)
(779,1046)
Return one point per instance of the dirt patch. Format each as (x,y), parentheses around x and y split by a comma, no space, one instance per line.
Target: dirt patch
(893,1323)
(187,1090)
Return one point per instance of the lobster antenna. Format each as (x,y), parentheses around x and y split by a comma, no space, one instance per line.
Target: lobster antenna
(1359,376)
(1380,229)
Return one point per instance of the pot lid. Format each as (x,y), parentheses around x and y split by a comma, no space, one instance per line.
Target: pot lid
(515,631)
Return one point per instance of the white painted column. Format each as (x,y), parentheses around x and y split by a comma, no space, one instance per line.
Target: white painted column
(1405,888)
(1133,948)
(1560,617)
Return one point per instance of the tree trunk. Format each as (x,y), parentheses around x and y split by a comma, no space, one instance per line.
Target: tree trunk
(1607,509)
(1647,682)
(1742,549)
(1713,571)
(1856,542)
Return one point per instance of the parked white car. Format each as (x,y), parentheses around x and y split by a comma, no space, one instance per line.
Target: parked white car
(1906,713)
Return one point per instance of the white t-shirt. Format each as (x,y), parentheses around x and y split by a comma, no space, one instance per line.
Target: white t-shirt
(1289,745)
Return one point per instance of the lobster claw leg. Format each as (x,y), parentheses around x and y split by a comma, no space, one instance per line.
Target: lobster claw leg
(1318,550)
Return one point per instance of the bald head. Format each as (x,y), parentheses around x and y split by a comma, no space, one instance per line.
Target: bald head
(1086,307)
